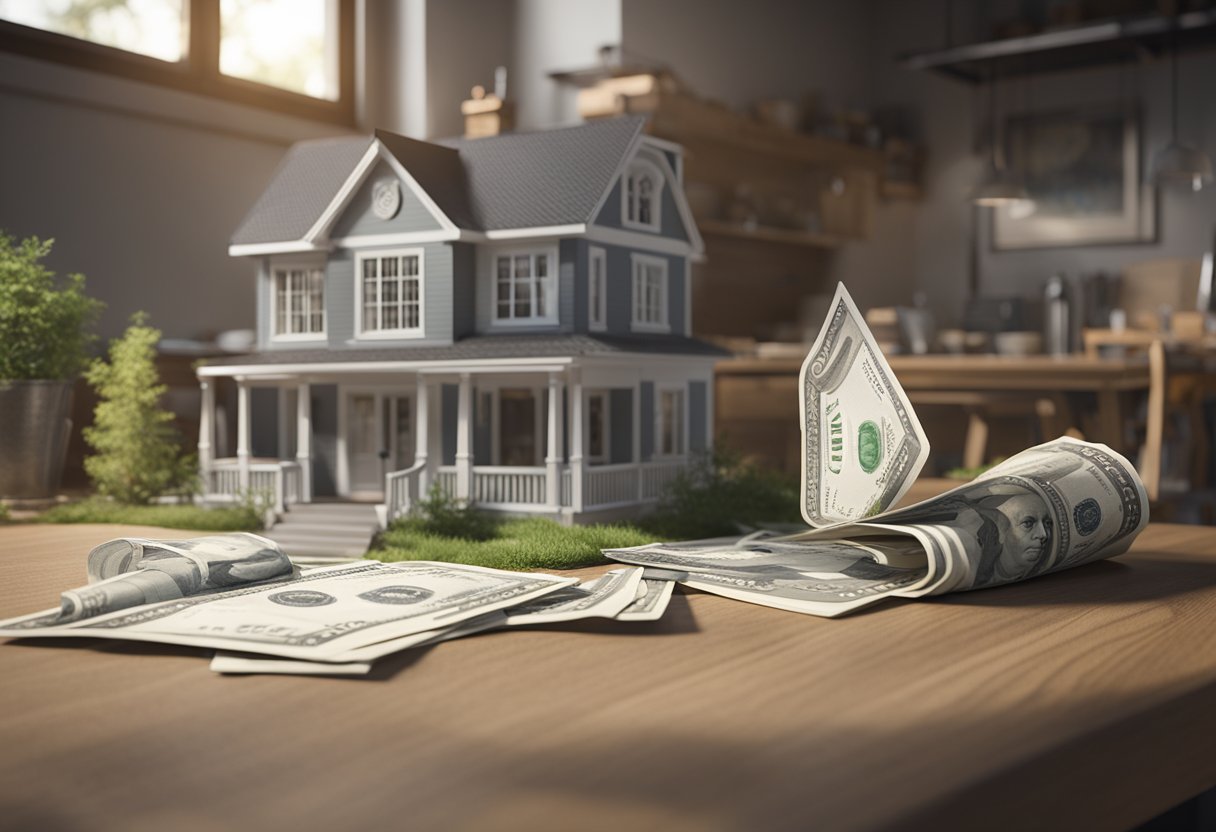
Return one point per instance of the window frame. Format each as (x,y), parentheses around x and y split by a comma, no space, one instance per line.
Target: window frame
(288,266)
(597,313)
(511,252)
(198,72)
(400,333)
(637,263)
(682,391)
(631,199)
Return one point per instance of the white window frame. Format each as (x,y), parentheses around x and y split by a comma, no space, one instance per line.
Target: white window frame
(606,427)
(682,391)
(638,264)
(597,301)
(631,198)
(288,266)
(551,287)
(400,332)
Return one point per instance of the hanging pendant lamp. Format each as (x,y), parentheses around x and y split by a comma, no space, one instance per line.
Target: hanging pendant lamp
(1180,165)
(998,186)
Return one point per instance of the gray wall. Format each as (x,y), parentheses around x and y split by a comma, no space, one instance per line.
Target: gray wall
(358,217)
(620,416)
(618,301)
(436,299)
(646,415)
(464,295)
(324,439)
(698,397)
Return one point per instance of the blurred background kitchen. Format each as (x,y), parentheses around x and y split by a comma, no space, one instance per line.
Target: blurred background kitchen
(1018,193)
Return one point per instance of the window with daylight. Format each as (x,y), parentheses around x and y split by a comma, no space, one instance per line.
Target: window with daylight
(524,288)
(293,56)
(597,285)
(643,184)
(671,423)
(391,294)
(650,293)
(299,302)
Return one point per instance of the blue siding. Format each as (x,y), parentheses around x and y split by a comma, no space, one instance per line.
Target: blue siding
(464,298)
(357,217)
(647,419)
(697,410)
(448,408)
(324,439)
(262,304)
(437,315)
(620,416)
(264,421)
(619,289)
(670,224)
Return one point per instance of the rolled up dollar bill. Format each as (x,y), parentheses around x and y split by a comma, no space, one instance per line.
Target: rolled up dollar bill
(130,571)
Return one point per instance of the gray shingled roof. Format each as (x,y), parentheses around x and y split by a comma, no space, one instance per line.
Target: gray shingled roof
(515,180)
(307,179)
(489,346)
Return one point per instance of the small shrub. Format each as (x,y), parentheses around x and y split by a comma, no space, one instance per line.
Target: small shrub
(4,513)
(719,495)
(44,323)
(444,516)
(137,448)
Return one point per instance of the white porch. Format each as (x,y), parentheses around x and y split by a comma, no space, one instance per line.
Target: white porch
(399,434)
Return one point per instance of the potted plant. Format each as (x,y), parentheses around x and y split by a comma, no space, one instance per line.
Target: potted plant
(45,336)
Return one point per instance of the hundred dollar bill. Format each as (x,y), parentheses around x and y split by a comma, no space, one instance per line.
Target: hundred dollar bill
(651,603)
(604,597)
(320,616)
(1050,507)
(862,445)
(821,577)
(130,571)
(356,662)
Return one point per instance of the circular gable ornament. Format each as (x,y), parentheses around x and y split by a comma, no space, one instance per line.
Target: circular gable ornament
(386,198)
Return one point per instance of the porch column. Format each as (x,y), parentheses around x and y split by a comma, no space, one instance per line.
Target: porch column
(553,455)
(576,440)
(304,439)
(206,433)
(242,432)
(464,429)
(422,444)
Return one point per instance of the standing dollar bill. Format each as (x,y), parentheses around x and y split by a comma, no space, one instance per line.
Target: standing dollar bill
(862,445)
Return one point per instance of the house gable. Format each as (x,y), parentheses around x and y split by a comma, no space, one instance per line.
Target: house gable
(675,217)
(359,218)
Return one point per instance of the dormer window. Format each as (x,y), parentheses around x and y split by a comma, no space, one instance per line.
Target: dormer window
(641,196)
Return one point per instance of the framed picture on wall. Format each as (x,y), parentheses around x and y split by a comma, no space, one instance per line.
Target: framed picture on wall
(1084,172)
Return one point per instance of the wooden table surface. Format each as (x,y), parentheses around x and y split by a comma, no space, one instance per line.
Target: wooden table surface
(1085,700)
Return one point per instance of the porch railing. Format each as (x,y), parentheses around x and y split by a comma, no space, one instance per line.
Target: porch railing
(277,481)
(401,491)
(498,486)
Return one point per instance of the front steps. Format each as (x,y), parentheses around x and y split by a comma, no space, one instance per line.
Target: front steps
(325,529)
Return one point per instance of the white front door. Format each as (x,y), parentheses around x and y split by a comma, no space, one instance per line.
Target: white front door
(379,440)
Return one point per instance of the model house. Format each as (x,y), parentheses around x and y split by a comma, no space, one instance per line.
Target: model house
(508,317)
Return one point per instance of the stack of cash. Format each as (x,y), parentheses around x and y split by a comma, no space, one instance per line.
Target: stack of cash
(240,594)
(1051,507)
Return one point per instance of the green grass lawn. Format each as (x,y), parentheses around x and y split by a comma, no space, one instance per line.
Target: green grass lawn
(98,510)
(514,543)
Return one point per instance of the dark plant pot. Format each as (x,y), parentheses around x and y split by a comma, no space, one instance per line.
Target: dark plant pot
(34,431)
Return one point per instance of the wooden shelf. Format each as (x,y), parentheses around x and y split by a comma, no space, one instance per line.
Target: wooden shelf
(892,189)
(1086,45)
(768,234)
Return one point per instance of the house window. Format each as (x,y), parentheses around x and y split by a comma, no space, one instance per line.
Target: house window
(597,285)
(299,302)
(598,440)
(650,293)
(670,428)
(524,288)
(293,56)
(390,294)
(641,195)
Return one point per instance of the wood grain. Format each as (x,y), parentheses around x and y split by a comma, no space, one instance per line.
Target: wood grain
(1081,700)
